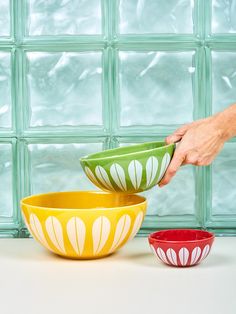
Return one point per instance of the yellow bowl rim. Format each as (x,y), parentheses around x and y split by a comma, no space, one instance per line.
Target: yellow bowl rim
(22,202)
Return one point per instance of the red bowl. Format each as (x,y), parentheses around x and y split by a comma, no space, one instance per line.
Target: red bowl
(181,247)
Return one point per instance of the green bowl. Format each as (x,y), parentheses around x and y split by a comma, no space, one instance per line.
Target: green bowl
(129,169)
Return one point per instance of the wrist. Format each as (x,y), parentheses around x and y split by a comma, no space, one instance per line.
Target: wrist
(225,122)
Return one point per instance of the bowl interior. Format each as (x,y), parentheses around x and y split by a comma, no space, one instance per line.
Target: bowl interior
(125,150)
(181,235)
(82,200)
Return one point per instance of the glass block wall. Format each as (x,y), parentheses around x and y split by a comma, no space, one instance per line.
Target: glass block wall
(81,76)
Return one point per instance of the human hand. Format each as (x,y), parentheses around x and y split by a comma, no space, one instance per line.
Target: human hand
(199,144)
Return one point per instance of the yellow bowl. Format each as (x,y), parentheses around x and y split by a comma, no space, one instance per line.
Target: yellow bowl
(83,224)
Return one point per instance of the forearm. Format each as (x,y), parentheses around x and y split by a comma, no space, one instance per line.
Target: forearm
(226,122)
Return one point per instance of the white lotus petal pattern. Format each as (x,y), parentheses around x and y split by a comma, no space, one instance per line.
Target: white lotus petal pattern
(101,230)
(137,225)
(25,220)
(103,177)
(55,233)
(151,170)
(195,255)
(183,256)
(76,231)
(122,229)
(164,164)
(172,257)
(37,230)
(91,176)
(161,255)
(135,170)
(136,174)
(118,175)
(205,252)
(153,249)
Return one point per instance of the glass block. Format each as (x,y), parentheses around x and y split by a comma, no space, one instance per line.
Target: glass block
(224,181)
(156,16)
(156,87)
(4,18)
(223,80)
(65,88)
(60,17)
(6,200)
(223,16)
(176,198)
(56,167)
(5,90)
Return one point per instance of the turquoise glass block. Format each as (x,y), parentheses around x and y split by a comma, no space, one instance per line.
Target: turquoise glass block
(224,182)
(223,16)
(223,80)
(56,167)
(6,199)
(64,17)
(64,88)
(5,89)
(156,87)
(4,18)
(176,198)
(155,16)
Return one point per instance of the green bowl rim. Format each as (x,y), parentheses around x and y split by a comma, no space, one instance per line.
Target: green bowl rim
(90,157)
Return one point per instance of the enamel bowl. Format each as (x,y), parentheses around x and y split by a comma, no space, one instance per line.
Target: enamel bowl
(130,169)
(83,224)
(181,247)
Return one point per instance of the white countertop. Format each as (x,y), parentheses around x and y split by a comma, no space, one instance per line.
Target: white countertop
(34,281)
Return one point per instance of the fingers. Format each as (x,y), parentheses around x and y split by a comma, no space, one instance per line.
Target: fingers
(178,134)
(173,138)
(175,164)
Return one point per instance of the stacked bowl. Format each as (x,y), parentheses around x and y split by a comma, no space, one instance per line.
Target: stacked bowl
(93,224)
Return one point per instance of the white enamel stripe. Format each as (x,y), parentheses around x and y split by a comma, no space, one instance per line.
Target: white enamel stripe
(137,224)
(37,230)
(118,175)
(195,255)
(103,177)
(153,249)
(55,233)
(151,170)
(161,254)
(91,176)
(205,252)
(100,231)
(25,221)
(135,169)
(172,257)
(164,164)
(183,256)
(76,231)
(122,228)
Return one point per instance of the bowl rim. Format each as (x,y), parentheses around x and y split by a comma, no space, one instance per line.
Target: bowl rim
(90,156)
(151,236)
(143,201)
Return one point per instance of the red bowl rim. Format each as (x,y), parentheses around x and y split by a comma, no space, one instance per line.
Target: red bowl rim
(153,238)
